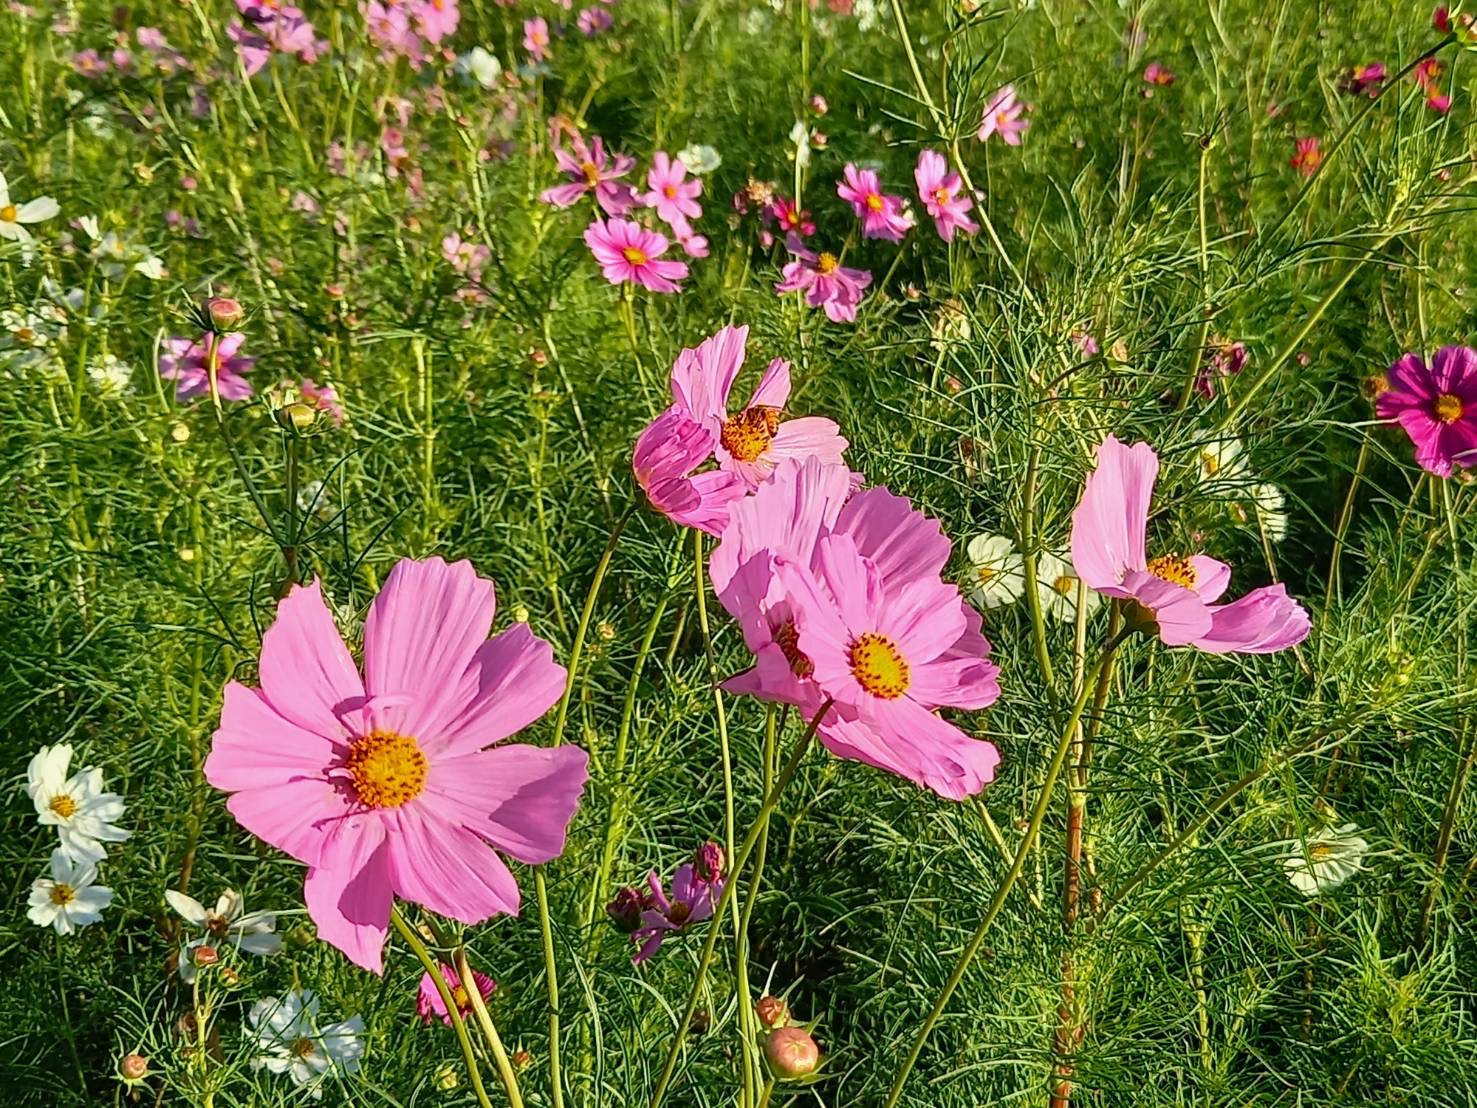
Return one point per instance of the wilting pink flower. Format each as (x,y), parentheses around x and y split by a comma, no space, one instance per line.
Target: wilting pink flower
(1175,593)
(671,192)
(188,363)
(385,784)
(436,19)
(696,891)
(841,596)
(749,442)
(1439,102)
(824,280)
(627,251)
(589,170)
(939,191)
(1004,116)
(1157,74)
(882,215)
(790,218)
(429,1005)
(1426,73)
(1084,341)
(1365,80)
(536,38)
(1437,406)
(1223,358)
(1307,156)
(592,21)
(668,453)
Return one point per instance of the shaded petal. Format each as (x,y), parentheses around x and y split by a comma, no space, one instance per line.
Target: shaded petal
(447,868)
(902,542)
(1181,614)
(905,739)
(1109,522)
(348,892)
(1211,577)
(519,798)
(1261,622)
(516,682)
(306,671)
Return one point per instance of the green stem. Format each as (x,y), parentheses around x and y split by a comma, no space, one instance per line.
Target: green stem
(489,1030)
(1197,356)
(1028,571)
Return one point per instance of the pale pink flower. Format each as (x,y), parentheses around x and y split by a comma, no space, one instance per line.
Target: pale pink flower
(671,192)
(628,251)
(883,216)
(589,170)
(188,363)
(536,38)
(592,21)
(940,192)
(1004,116)
(436,19)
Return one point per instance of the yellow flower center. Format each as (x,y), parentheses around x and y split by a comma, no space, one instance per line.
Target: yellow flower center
(459,995)
(748,434)
(1002,118)
(387,769)
(669,191)
(62,893)
(8,213)
(24,335)
(788,638)
(826,263)
(874,202)
(985,573)
(1319,851)
(1177,569)
(592,175)
(1065,584)
(1448,408)
(63,805)
(1210,463)
(941,196)
(879,666)
(302,1047)
(635,255)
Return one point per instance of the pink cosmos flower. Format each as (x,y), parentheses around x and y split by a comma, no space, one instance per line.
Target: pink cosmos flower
(671,192)
(1157,74)
(536,38)
(1439,102)
(389,26)
(465,257)
(1176,593)
(187,363)
(1223,358)
(1365,80)
(1437,406)
(384,784)
(592,21)
(627,251)
(1307,156)
(694,246)
(750,442)
(825,281)
(882,215)
(436,19)
(841,596)
(323,398)
(428,1002)
(939,191)
(1004,116)
(652,916)
(589,170)
(790,218)
(668,453)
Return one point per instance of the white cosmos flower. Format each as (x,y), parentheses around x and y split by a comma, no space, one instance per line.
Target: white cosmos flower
(26,339)
(997,570)
(293,1042)
(111,376)
(76,806)
(699,158)
(13,217)
(1325,861)
(1221,466)
(1057,584)
(800,137)
(116,256)
(868,14)
(223,925)
(68,899)
(479,65)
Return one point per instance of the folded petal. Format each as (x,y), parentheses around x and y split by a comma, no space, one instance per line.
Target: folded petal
(1181,614)
(703,376)
(519,798)
(1109,522)
(1211,577)
(1261,622)
(773,390)
(913,743)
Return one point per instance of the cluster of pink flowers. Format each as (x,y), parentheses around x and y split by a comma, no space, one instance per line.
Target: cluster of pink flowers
(267,27)
(409,28)
(651,916)
(1427,75)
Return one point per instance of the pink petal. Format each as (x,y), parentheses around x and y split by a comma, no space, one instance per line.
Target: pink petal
(773,390)
(786,515)
(1261,622)
(1181,614)
(1211,577)
(1109,522)
(295,816)
(905,739)
(519,798)
(899,540)
(306,671)
(348,892)
(447,868)
(968,683)
(703,376)
(256,748)
(516,681)
(808,437)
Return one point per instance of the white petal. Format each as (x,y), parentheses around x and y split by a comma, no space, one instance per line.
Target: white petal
(34,211)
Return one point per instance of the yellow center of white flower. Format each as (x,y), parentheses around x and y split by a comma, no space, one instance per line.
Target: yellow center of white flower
(1065,584)
(748,434)
(1177,569)
(1319,852)
(985,574)
(302,1047)
(63,805)
(62,893)
(879,666)
(387,770)
(8,213)
(1448,408)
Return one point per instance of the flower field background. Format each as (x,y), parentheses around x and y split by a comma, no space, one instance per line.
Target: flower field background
(293,295)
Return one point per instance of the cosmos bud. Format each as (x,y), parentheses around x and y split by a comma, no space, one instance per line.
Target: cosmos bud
(225,313)
(772,1011)
(625,909)
(205,956)
(133,1068)
(708,862)
(791,1052)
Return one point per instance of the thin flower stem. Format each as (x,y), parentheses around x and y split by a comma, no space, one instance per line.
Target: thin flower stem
(1198,355)
(736,867)
(211,369)
(1346,515)
(761,851)
(489,1030)
(1028,571)
(469,1056)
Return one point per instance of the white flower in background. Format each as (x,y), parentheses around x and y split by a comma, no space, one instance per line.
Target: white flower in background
(68,899)
(757,21)
(1326,860)
(88,225)
(76,806)
(479,65)
(14,217)
(293,1042)
(111,376)
(26,338)
(998,571)
(1271,508)
(868,14)
(699,158)
(950,324)
(116,256)
(223,925)
(1221,465)
(1057,584)
(800,138)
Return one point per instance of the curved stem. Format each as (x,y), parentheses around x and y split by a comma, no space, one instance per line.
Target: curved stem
(489,1031)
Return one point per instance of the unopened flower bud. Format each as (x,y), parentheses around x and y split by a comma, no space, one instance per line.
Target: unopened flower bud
(791,1052)
(134,1067)
(205,956)
(522,1060)
(772,1011)
(625,909)
(708,862)
(225,313)
(297,416)
(447,1077)
(180,432)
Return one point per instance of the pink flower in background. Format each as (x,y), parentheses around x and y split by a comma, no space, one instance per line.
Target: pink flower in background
(536,38)
(1365,80)
(1004,116)
(186,362)
(428,1003)
(436,19)
(89,63)
(671,192)
(1439,102)
(1084,341)
(1426,72)
(589,170)
(1307,156)
(389,26)
(593,21)
(825,281)
(323,398)
(1176,593)
(627,251)
(841,595)
(882,215)
(1157,74)
(697,886)
(749,442)
(694,246)
(668,452)
(790,218)
(1223,358)
(384,784)
(939,190)
(467,258)
(273,28)
(1437,406)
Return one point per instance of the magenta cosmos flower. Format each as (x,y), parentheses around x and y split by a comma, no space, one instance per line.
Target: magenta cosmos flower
(672,193)
(939,191)
(1004,116)
(384,784)
(1437,406)
(825,281)
(841,596)
(749,442)
(1175,592)
(627,251)
(187,363)
(428,1003)
(1307,155)
(882,215)
(589,170)
(651,916)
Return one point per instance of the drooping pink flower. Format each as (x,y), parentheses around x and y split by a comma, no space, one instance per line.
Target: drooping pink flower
(697,886)
(1365,80)
(825,281)
(939,190)
(323,398)
(882,215)
(1437,406)
(187,363)
(693,245)
(627,251)
(1439,102)
(1223,358)
(671,192)
(1156,73)
(436,19)
(841,596)
(1307,156)
(594,21)
(536,38)
(1174,593)
(752,441)
(790,218)
(428,1003)
(1004,116)
(388,784)
(668,453)
(589,170)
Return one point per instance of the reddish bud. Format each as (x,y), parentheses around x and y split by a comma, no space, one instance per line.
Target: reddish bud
(134,1067)
(708,862)
(792,1052)
(225,314)
(206,956)
(772,1011)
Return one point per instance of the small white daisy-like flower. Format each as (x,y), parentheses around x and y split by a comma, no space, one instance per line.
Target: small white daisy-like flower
(223,925)
(116,256)
(997,571)
(27,339)
(1221,466)
(111,376)
(68,899)
(699,158)
(82,813)
(1326,860)
(1059,588)
(14,217)
(292,1041)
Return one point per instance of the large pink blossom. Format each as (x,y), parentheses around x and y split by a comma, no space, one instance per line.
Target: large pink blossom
(883,215)
(589,170)
(1437,406)
(940,192)
(387,783)
(187,362)
(672,193)
(1174,592)
(827,283)
(628,251)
